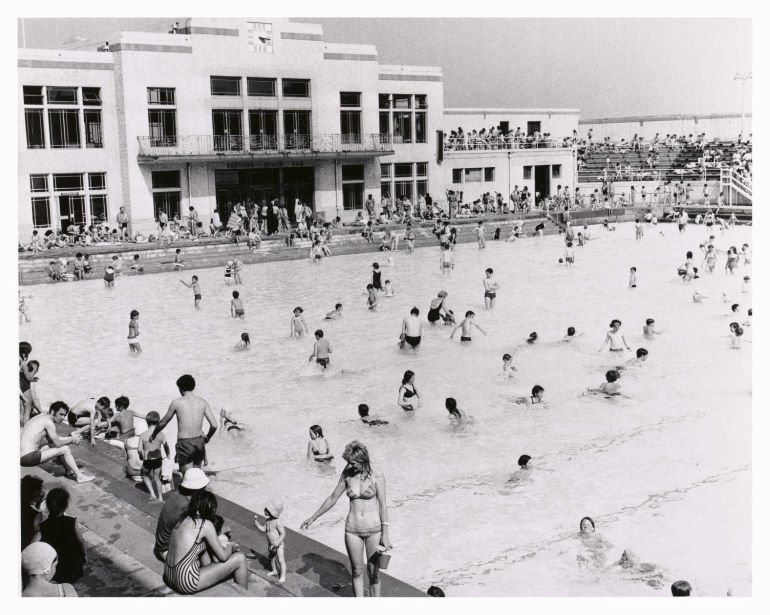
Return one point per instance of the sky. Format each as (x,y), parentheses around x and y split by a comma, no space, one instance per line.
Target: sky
(604,67)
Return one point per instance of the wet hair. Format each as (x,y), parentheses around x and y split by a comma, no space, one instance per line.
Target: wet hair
(316,429)
(185,383)
(387,281)
(36,364)
(537,390)
(750,312)
(122,402)
(591,521)
(633,268)
(689,254)
(641,352)
(489,269)
(57,501)
(524,460)
(612,324)
(680,588)
(24,349)
(369,286)
(506,357)
(532,336)
(435,592)
(376,265)
(56,406)
(363,410)
(31,488)
(195,277)
(649,321)
(408,375)
(734,307)
(152,418)
(104,401)
(612,375)
(470,313)
(337,306)
(570,331)
(136,258)
(236,294)
(451,405)
(134,313)
(298,309)
(245,338)
(355,451)
(178,250)
(319,333)
(203,505)
(569,244)
(414,311)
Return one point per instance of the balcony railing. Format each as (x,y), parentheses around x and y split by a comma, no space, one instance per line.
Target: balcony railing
(465,145)
(235,145)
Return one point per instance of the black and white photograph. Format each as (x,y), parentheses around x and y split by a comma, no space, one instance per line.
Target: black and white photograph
(385,306)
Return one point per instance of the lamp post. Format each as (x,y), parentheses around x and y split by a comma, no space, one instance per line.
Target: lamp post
(743,78)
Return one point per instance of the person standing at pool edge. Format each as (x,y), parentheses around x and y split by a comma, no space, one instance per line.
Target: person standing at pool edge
(190,410)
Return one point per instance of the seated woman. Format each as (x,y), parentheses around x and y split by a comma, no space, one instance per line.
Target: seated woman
(318,447)
(189,568)
(38,566)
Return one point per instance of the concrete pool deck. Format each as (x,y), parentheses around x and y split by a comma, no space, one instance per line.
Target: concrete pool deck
(118,521)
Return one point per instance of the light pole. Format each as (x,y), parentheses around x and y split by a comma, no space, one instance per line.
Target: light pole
(743,78)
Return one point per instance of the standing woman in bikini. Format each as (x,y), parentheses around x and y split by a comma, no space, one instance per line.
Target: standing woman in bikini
(366,527)
(408,397)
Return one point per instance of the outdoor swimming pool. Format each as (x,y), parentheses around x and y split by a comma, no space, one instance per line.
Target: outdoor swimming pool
(666,473)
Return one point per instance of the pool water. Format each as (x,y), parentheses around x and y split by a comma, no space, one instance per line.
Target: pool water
(665,473)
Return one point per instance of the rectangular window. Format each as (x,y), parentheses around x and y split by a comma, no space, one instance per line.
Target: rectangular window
(385,189)
(259,86)
(64,127)
(504,127)
(384,170)
(225,86)
(98,203)
(165,180)
(489,174)
(93,123)
(422,169)
(263,130)
(92,97)
(167,202)
(350,123)
(472,175)
(556,171)
(352,186)
(297,130)
(420,129)
(161,96)
(228,130)
(421,101)
(41,212)
(350,99)
(402,101)
(71,210)
(457,176)
(33,118)
(384,101)
(422,187)
(402,127)
(404,189)
(260,36)
(296,88)
(97,181)
(402,169)
(38,183)
(33,94)
(532,128)
(527,172)
(68,182)
(62,96)
(162,127)
(385,123)
(352,172)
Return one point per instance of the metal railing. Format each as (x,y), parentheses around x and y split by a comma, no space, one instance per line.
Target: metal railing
(656,174)
(502,143)
(215,145)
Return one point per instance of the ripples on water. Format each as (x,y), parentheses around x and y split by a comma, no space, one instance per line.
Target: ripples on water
(657,472)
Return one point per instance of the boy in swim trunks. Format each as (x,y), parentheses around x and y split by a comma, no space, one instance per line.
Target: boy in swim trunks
(446,262)
(151,453)
(276,534)
(371,301)
(649,329)
(411,329)
(321,350)
(336,313)
(236,306)
(466,325)
(196,290)
(611,388)
(490,289)
(133,333)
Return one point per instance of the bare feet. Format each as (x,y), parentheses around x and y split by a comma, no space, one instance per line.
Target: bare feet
(272,573)
(85,478)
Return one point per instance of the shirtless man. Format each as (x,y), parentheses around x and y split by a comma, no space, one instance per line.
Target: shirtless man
(490,289)
(190,410)
(89,415)
(44,425)
(411,329)
(465,325)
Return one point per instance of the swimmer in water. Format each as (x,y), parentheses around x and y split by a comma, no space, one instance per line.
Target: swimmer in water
(641,357)
(411,329)
(508,367)
(363,412)
(371,300)
(321,350)
(649,329)
(596,545)
(408,397)
(244,343)
(697,297)
(447,261)
(336,313)
(297,324)
(376,277)
(615,338)
(710,258)
(388,289)
(535,398)
(736,336)
(466,325)
(610,388)
(318,447)
(490,289)
(532,338)
(228,424)
(680,589)
(196,290)
(571,335)
(569,254)
(236,306)
(746,285)
(133,333)
(748,322)
(525,467)
(455,414)
(632,278)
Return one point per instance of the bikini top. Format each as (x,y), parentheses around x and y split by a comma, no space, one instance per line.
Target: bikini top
(408,392)
(356,489)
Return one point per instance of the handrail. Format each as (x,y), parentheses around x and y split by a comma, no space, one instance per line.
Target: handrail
(453,145)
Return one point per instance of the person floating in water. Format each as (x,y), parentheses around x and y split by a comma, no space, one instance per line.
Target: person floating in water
(535,398)
(228,424)
(363,412)
(321,350)
(611,387)
(571,335)
(466,325)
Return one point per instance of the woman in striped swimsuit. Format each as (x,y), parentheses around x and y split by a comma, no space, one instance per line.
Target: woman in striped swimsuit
(193,535)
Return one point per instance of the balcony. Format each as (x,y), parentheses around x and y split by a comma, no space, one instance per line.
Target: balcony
(211,148)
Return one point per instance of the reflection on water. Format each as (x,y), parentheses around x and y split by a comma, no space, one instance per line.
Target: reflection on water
(655,471)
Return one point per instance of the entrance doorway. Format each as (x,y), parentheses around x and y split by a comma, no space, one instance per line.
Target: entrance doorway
(71,211)
(542,181)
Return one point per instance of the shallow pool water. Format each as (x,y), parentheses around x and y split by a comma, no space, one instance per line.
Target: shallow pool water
(665,473)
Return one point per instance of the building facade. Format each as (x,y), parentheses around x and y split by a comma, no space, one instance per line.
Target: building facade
(239,110)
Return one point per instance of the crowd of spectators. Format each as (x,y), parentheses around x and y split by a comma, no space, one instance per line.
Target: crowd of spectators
(494,138)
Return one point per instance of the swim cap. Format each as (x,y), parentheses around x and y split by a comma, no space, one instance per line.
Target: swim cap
(442,293)
(37,558)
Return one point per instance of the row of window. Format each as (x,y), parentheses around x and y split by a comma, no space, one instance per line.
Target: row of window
(259,86)
(466,176)
(70,194)
(57,95)
(404,179)
(555,172)
(49,125)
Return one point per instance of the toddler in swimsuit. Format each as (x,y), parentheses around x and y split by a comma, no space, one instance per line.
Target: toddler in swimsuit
(297,324)
(236,306)
(276,535)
